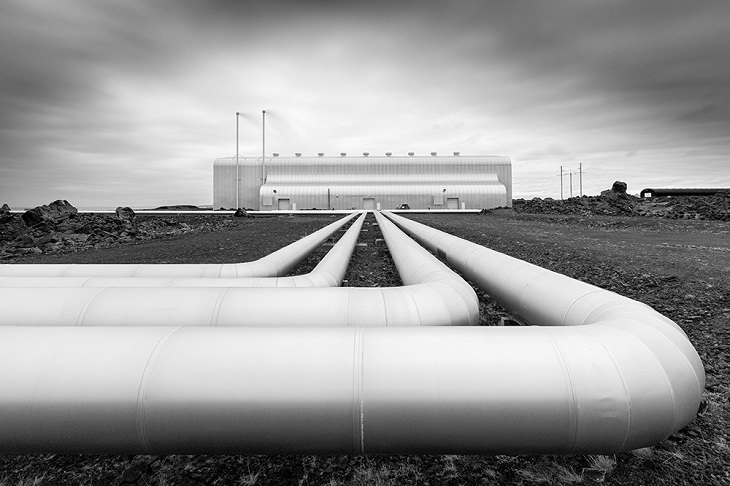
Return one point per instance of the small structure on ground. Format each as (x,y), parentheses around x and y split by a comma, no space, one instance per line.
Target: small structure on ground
(682,192)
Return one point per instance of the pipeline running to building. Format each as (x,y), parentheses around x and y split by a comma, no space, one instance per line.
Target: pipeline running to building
(241,359)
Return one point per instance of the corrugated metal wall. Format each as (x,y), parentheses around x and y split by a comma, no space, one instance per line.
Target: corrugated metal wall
(249,181)
(437,182)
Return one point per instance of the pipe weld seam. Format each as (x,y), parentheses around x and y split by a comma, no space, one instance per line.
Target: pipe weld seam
(573,405)
(217,307)
(143,391)
(85,307)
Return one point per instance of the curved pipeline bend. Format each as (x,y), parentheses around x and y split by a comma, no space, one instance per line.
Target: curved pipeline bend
(434,296)
(622,361)
(329,272)
(275,264)
(625,378)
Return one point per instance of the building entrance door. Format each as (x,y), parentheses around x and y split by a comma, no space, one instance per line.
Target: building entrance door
(284,204)
(368,203)
(452,203)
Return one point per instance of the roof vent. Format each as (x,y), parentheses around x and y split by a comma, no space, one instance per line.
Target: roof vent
(275,154)
(411,154)
(456,154)
(343,153)
(321,154)
(297,154)
(366,153)
(388,153)
(433,153)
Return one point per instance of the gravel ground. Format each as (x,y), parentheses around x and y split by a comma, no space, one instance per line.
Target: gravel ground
(679,267)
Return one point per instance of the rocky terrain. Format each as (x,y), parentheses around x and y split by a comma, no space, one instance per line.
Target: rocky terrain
(616,202)
(59,228)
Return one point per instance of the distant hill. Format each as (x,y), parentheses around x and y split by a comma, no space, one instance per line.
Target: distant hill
(178,207)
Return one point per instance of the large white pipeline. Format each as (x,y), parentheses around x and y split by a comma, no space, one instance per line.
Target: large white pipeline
(274,264)
(610,375)
(329,272)
(433,295)
(246,390)
(653,382)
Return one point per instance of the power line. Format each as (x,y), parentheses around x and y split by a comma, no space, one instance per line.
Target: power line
(570,173)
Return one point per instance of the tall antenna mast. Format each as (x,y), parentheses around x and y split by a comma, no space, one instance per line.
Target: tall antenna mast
(263,144)
(237,176)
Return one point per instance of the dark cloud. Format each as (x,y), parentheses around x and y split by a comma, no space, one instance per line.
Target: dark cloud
(670,59)
(85,87)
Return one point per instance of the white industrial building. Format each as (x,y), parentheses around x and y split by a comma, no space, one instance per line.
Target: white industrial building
(362,182)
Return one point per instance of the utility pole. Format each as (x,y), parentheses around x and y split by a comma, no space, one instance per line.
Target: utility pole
(580,172)
(571,183)
(237,176)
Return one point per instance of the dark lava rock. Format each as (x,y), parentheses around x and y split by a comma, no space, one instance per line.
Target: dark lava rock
(617,191)
(55,212)
(240,213)
(89,231)
(619,187)
(610,203)
(125,214)
(5,215)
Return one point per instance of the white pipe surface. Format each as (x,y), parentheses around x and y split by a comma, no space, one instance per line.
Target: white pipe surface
(434,295)
(274,264)
(607,375)
(329,272)
(617,354)
(164,390)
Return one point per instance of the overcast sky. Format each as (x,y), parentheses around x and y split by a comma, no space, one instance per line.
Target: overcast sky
(127,102)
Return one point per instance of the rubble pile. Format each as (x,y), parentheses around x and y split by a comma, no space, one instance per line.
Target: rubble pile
(59,228)
(55,212)
(616,202)
(715,207)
